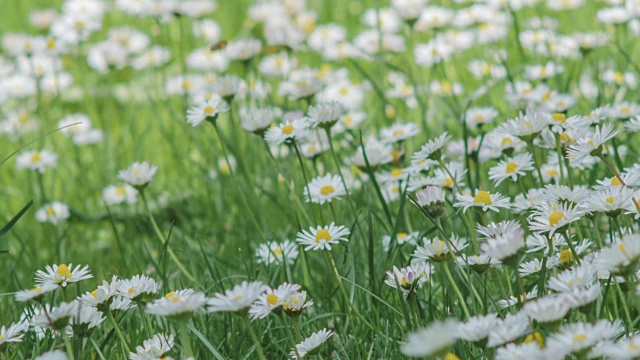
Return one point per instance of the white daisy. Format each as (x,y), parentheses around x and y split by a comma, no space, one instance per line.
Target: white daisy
(54,212)
(207,110)
(37,160)
(271,300)
(323,237)
(237,299)
(434,340)
(178,304)
(324,189)
(277,253)
(511,168)
(153,348)
(115,195)
(287,132)
(138,175)
(483,199)
(63,274)
(311,345)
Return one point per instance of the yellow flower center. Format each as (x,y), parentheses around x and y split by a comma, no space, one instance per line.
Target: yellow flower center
(94,293)
(448,182)
(37,288)
(625,110)
(209,110)
(272,299)
(618,78)
(511,167)
(131,290)
(187,84)
(566,138)
(615,182)
(50,211)
(344,91)
(348,120)
(171,295)
(537,337)
(238,297)
(632,346)
(566,256)
(555,218)
(327,190)
(396,173)
(395,155)
(609,200)
(552,172)
(558,117)
(402,235)
(323,234)
(451,356)
(277,251)
(398,132)
(121,191)
(506,141)
(579,338)
(36,157)
(446,87)
(287,129)
(483,197)
(63,271)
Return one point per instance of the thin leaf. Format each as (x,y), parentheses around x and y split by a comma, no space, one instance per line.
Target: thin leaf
(15,219)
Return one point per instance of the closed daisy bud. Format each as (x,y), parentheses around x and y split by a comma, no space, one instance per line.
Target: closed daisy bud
(432,200)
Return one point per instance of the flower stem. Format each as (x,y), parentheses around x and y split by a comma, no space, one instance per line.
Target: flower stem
(285,324)
(161,237)
(456,290)
(68,346)
(335,159)
(237,183)
(254,337)
(97,348)
(187,352)
(123,341)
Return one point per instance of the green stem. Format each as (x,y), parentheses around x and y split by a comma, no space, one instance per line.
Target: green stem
(623,301)
(145,319)
(187,352)
(68,346)
(335,159)
(254,337)
(97,348)
(123,341)
(285,324)
(237,183)
(161,237)
(456,290)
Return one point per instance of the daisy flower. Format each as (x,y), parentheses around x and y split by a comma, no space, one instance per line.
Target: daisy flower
(407,279)
(138,175)
(547,309)
(295,303)
(256,121)
(620,257)
(578,337)
(322,237)
(115,195)
(36,293)
(502,228)
(153,348)
(207,110)
(551,218)
(311,345)
(611,201)
(325,115)
(104,297)
(512,327)
(277,253)
(272,300)
(511,168)
(52,355)
(483,199)
(477,328)
(432,150)
(434,340)
(399,132)
(37,160)
(237,299)
(439,250)
(401,238)
(478,263)
(625,348)
(478,117)
(535,265)
(287,131)
(504,247)
(85,319)
(178,304)
(527,126)
(54,212)
(63,274)
(14,333)
(139,288)
(378,153)
(512,300)
(590,145)
(57,318)
(432,200)
(324,189)
(526,350)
